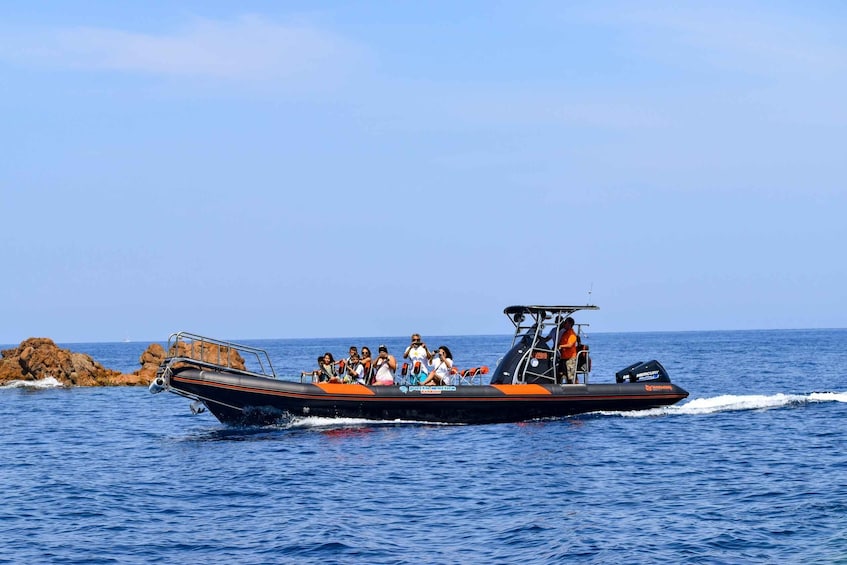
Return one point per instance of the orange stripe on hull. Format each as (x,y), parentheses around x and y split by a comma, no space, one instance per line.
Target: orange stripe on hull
(340,388)
(522,390)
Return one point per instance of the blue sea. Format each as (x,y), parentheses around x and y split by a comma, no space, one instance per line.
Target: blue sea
(751,468)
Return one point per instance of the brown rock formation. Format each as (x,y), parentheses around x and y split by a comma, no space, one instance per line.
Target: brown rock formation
(150,360)
(39,358)
(208,352)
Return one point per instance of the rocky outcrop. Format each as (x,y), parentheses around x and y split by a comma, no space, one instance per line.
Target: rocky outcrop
(220,355)
(38,358)
(150,360)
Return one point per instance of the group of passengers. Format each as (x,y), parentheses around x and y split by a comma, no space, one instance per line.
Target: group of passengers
(425,367)
(354,369)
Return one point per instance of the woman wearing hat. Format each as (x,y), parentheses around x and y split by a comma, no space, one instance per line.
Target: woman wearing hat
(384,367)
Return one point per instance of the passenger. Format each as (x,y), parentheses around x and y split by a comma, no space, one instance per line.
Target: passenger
(354,372)
(567,350)
(352,351)
(327,369)
(342,363)
(553,332)
(419,356)
(366,363)
(440,373)
(384,367)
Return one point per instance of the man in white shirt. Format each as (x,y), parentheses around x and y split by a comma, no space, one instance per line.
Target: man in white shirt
(419,356)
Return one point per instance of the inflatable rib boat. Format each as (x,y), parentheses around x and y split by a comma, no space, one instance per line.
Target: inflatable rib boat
(530,382)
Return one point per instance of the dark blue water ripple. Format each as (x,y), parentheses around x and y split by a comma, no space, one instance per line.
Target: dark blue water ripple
(755,474)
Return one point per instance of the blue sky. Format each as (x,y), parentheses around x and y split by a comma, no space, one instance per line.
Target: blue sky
(328,169)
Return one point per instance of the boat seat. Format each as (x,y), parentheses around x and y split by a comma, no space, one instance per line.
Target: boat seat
(583,363)
(468,376)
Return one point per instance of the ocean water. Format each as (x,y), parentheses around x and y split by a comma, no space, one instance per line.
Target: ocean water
(751,468)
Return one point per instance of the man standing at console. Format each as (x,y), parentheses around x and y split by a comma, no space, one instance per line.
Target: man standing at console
(567,350)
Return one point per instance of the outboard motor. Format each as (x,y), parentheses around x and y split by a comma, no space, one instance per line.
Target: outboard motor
(650,371)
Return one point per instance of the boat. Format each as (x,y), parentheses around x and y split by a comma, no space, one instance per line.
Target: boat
(238,385)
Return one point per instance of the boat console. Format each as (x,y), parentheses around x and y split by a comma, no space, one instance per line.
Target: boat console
(533,357)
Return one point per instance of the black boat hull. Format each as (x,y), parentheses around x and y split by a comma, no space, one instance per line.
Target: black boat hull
(242,399)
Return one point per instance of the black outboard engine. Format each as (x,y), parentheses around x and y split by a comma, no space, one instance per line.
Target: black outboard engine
(651,371)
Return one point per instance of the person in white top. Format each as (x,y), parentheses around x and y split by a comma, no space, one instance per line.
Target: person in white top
(384,367)
(441,365)
(419,356)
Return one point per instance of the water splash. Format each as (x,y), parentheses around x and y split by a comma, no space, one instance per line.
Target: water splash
(733,403)
(49,382)
(828,397)
(319,422)
(324,422)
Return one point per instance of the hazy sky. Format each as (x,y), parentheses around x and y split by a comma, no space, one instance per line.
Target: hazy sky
(329,169)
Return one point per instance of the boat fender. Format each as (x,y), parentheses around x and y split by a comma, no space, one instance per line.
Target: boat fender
(158,385)
(404,370)
(417,369)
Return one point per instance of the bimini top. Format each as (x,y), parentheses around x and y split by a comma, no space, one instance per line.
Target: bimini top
(511,310)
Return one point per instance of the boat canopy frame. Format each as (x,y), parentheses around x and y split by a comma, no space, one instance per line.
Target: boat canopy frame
(531,325)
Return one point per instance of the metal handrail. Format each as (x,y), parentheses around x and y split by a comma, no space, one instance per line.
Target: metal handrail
(552,372)
(585,359)
(261,356)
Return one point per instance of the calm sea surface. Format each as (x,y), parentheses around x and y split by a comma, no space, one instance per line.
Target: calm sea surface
(751,468)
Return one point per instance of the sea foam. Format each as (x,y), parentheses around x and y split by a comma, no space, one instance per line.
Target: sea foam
(733,403)
(49,382)
(321,422)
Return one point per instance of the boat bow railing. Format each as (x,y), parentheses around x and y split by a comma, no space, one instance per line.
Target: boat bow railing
(217,353)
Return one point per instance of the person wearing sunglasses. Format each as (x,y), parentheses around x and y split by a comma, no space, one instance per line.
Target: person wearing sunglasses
(419,357)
